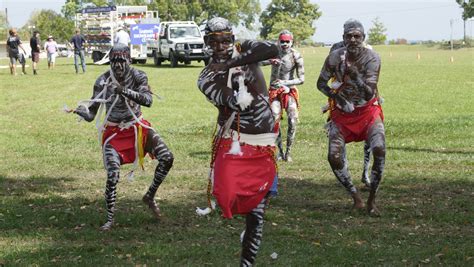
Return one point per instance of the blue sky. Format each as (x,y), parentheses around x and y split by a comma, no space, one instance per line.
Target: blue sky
(412,20)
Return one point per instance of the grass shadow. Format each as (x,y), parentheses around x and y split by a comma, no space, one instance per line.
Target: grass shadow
(464,151)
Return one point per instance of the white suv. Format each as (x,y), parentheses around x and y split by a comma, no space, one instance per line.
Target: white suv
(178,41)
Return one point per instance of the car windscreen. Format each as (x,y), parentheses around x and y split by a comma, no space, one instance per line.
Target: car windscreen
(182,32)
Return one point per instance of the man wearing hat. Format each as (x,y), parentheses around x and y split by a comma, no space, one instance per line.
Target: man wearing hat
(355,113)
(51,47)
(243,165)
(121,37)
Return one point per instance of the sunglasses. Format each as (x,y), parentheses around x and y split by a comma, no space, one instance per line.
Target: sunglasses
(285,42)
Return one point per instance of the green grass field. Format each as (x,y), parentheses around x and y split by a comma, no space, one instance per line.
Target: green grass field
(52,179)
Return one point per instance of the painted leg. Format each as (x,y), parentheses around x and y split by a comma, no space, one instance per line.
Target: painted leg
(365,173)
(377,144)
(339,165)
(290,138)
(165,162)
(292,112)
(252,237)
(112,165)
(281,154)
(276,112)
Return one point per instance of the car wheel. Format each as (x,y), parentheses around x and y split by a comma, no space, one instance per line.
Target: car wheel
(173,60)
(156,59)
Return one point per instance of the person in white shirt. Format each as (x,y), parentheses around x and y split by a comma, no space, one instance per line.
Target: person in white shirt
(122,36)
(51,48)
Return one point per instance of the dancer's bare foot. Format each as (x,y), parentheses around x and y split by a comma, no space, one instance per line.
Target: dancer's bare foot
(152,205)
(107,226)
(371,208)
(365,179)
(358,203)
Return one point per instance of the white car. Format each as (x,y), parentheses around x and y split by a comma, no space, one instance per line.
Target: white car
(63,51)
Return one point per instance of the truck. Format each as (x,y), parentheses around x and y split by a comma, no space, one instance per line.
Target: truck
(177,41)
(99,24)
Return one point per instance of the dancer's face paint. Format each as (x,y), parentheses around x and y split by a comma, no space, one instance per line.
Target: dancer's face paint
(354,41)
(120,67)
(222,45)
(285,41)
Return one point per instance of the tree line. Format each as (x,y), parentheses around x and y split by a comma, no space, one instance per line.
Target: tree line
(298,16)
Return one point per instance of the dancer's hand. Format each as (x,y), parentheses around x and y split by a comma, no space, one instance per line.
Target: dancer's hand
(275,61)
(218,67)
(353,72)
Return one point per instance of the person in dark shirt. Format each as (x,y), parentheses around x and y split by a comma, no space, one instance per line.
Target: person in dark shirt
(77,43)
(35,50)
(13,43)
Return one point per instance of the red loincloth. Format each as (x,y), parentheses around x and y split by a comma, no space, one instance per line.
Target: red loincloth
(355,126)
(241,182)
(124,141)
(284,98)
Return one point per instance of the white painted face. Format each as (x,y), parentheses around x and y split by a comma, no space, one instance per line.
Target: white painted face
(285,45)
(285,40)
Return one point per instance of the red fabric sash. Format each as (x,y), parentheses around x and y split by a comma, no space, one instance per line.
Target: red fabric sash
(241,182)
(284,98)
(124,141)
(355,126)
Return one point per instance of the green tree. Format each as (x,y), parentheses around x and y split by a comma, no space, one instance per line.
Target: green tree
(71,7)
(468,11)
(4,27)
(236,11)
(377,33)
(295,16)
(49,22)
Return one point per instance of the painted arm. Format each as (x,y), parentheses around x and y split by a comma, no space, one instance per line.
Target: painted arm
(253,52)
(143,96)
(367,82)
(217,93)
(89,112)
(299,72)
(324,77)
(322,84)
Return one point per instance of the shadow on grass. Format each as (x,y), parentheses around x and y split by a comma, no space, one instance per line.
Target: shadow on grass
(167,66)
(435,150)
(205,155)
(64,228)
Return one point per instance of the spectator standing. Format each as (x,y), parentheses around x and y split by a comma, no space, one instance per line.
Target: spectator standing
(122,37)
(13,43)
(35,50)
(77,43)
(51,47)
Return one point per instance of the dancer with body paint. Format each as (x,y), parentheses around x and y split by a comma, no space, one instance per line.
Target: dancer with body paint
(125,136)
(283,92)
(355,114)
(243,162)
(365,172)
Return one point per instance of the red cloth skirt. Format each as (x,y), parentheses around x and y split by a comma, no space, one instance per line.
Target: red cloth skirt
(355,126)
(124,141)
(241,182)
(284,98)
